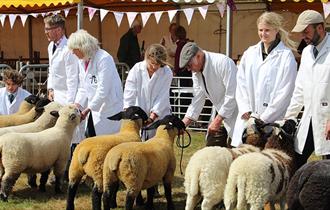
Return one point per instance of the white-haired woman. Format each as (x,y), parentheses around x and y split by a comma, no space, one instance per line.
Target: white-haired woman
(266,75)
(148,85)
(99,83)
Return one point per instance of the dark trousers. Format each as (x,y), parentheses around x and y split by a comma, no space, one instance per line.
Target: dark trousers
(301,159)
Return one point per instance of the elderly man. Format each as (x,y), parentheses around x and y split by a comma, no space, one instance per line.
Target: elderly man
(214,76)
(312,89)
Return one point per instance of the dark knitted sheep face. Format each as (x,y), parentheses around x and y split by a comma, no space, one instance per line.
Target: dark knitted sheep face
(32,99)
(281,141)
(131,113)
(170,122)
(254,134)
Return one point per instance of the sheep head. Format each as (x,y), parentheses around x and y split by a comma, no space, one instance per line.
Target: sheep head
(68,115)
(131,113)
(254,133)
(32,99)
(170,122)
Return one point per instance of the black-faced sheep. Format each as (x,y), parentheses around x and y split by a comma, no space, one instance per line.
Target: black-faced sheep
(141,165)
(89,155)
(37,152)
(206,174)
(309,188)
(260,177)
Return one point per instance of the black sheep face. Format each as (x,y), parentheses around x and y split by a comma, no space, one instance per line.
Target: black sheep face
(32,99)
(131,113)
(170,122)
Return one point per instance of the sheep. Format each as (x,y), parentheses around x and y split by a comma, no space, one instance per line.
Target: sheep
(37,152)
(309,188)
(27,104)
(255,133)
(260,177)
(27,117)
(89,155)
(141,165)
(206,174)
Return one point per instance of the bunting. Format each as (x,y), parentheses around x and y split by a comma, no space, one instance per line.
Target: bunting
(326,9)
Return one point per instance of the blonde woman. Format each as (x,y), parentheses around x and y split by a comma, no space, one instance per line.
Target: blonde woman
(148,85)
(266,75)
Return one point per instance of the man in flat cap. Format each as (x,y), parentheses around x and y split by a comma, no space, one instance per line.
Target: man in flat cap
(214,76)
(312,89)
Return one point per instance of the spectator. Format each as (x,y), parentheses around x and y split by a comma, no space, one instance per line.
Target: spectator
(12,94)
(129,48)
(312,89)
(266,75)
(169,42)
(148,85)
(214,76)
(100,86)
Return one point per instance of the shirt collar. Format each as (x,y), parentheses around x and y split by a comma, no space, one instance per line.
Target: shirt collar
(58,42)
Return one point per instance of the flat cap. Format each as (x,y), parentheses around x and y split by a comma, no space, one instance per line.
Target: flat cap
(188,51)
(306,18)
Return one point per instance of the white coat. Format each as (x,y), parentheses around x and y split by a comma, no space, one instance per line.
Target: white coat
(63,79)
(170,46)
(264,87)
(312,90)
(101,88)
(220,77)
(10,108)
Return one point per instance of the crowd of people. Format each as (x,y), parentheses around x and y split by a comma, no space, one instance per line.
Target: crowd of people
(266,84)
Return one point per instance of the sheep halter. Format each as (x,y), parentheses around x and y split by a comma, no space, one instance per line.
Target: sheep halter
(181,145)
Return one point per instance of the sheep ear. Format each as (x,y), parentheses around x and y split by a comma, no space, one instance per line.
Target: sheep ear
(153,125)
(54,113)
(117,117)
(39,109)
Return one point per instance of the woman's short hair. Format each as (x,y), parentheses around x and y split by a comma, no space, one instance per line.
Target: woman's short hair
(157,53)
(84,42)
(13,75)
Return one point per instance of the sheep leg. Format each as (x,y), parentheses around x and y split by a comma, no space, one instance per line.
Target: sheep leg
(7,183)
(58,181)
(43,181)
(96,198)
(32,180)
(168,195)
(72,191)
(150,198)
(129,201)
(192,201)
(139,199)
(109,196)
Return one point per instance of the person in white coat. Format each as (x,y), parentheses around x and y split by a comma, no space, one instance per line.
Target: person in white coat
(99,83)
(12,94)
(312,89)
(266,75)
(214,76)
(148,86)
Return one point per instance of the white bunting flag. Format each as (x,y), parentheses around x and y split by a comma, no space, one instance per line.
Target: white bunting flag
(119,17)
(2,19)
(103,13)
(66,12)
(12,19)
(91,12)
(203,10)
(145,17)
(158,15)
(23,18)
(171,14)
(326,9)
(221,8)
(35,15)
(188,13)
(131,17)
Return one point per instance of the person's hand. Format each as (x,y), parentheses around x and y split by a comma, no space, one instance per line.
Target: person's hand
(84,113)
(51,94)
(186,121)
(246,116)
(215,125)
(327,130)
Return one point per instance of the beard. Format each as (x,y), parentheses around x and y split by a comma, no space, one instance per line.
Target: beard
(316,38)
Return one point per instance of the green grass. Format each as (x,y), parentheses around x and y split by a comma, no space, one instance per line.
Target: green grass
(25,198)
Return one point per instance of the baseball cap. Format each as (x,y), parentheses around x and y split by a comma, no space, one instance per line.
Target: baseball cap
(306,18)
(188,51)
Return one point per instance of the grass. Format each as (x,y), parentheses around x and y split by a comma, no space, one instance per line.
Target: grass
(25,198)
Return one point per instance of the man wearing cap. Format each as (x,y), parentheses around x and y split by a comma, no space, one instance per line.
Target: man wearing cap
(214,76)
(312,89)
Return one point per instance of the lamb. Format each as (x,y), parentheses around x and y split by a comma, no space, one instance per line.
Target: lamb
(309,188)
(27,117)
(37,152)
(26,105)
(141,165)
(206,174)
(89,155)
(267,179)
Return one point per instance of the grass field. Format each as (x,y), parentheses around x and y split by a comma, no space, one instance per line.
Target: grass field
(25,198)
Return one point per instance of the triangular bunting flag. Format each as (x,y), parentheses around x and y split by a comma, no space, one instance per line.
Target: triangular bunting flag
(2,19)
(91,12)
(221,8)
(158,15)
(188,13)
(35,15)
(103,13)
(171,14)
(66,12)
(326,9)
(43,14)
(12,19)
(119,17)
(145,17)
(23,18)
(131,17)
(203,10)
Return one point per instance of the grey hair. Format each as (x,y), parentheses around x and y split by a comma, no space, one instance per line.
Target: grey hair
(55,20)
(276,21)
(84,42)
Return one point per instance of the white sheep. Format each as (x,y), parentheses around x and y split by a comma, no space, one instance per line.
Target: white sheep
(206,174)
(25,116)
(37,152)
(89,155)
(141,165)
(260,177)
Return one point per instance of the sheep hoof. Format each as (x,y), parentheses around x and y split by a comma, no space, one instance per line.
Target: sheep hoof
(3,197)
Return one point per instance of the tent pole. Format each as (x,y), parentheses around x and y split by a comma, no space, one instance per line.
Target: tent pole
(228,32)
(80,11)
